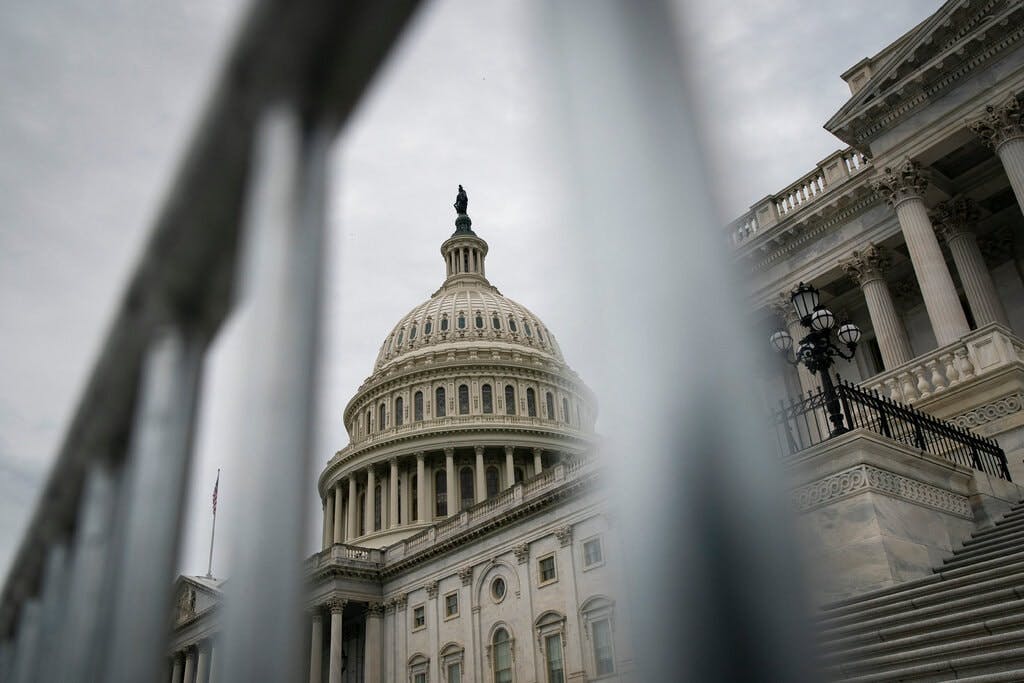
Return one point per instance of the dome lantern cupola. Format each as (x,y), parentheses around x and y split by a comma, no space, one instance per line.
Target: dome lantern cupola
(463,252)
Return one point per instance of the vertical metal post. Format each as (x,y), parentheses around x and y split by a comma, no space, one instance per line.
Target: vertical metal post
(282,263)
(81,635)
(156,475)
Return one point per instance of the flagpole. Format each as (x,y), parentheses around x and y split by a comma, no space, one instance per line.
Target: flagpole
(213,530)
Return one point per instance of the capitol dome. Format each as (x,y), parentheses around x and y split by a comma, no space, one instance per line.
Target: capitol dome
(469,396)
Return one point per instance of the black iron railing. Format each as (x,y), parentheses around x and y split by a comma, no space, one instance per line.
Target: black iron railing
(802,423)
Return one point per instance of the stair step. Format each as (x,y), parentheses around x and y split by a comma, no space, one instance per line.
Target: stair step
(895,628)
(1008,549)
(1008,534)
(960,583)
(1015,676)
(962,656)
(1000,527)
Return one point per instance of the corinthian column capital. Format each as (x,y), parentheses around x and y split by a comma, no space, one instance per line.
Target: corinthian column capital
(867,264)
(1000,123)
(899,183)
(954,217)
(782,306)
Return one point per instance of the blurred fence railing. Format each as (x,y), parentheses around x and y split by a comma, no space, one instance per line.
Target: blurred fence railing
(88,594)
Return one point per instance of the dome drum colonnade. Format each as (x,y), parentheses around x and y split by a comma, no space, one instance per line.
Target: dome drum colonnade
(470,394)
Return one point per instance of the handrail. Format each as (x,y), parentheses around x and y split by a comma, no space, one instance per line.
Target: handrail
(802,423)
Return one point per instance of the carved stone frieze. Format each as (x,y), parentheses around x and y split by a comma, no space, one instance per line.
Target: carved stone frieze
(899,183)
(867,264)
(954,217)
(864,478)
(990,412)
(1000,123)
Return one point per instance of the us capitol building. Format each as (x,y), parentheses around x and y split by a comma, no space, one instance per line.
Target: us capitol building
(463,536)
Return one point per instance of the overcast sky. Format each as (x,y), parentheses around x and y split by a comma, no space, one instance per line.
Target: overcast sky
(99,100)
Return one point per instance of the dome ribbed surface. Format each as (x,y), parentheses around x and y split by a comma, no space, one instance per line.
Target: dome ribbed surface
(423,327)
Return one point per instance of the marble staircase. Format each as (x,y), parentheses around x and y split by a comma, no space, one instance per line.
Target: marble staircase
(965,622)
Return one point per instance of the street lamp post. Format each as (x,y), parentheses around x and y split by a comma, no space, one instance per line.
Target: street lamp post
(816,350)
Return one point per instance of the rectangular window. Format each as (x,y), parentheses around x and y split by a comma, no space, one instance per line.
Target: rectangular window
(592,553)
(553,653)
(547,569)
(419,617)
(604,661)
(451,605)
(455,672)
(419,678)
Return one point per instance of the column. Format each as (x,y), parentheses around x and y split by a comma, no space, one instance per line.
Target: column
(316,649)
(385,502)
(203,663)
(371,484)
(407,499)
(327,529)
(903,187)
(337,608)
(328,519)
(1002,129)
(481,480)
(867,268)
(339,514)
(372,664)
(393,496)
(353,512)
(452,492)
(510,467)
(783,308)
(177,674)
(954,222)
(421,489)
(538,461)
(190,665)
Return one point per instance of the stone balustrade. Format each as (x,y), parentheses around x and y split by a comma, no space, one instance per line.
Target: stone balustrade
(835,170)
(432,425)
(980,353)
(351,555)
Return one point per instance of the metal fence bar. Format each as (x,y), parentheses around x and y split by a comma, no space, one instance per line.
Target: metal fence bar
(281,279)
(156,469)
(82,629)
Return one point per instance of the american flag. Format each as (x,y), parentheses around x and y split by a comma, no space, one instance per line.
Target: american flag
(216,485)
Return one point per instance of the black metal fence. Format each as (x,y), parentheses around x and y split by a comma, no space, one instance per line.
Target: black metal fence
(802,423)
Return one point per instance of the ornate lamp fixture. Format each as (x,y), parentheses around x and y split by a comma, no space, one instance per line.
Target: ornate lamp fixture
(816,350)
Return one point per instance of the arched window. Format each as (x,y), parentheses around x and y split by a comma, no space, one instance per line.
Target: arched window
(444,322)
(510,399)
(479,321)
(527,328)
(463,399)
(461,321)
(428,327)
(466,487)
(550,401)
(540,334)
(440,493)
(382,416)
(439,402)
(565,409)
(493,478)
(579,417)
(598,617)
(376,507)
(495,322)
(519,474)
(414,498)
(531,402)
(512,325)
(399,411)
(369,416)
(398,343)
(501,645)
(412,332)
(487,398)
(417,406)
